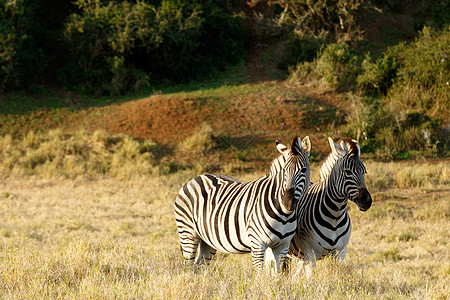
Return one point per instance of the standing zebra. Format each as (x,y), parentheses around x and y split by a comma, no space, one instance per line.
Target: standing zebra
(215,212)
(323,224)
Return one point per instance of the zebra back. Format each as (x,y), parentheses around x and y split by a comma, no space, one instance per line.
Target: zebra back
(226,214)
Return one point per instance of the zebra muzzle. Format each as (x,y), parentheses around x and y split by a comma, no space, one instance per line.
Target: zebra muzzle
(364,200)
(288,199)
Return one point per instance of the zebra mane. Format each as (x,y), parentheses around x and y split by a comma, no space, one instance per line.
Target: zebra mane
(276,165)
(345,146)
(327,166)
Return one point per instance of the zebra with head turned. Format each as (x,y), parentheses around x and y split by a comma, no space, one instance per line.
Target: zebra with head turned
(215,212)
(323,224)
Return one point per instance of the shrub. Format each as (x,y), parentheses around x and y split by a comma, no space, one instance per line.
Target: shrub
(338,19)
(414,79)
(200,143)
(55,154)
(389,132)
(422,83)
(377,77)
(22,59)
(338,65)
(115,47)
(294,49)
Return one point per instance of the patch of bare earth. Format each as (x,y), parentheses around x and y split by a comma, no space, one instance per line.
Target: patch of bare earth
(280,113)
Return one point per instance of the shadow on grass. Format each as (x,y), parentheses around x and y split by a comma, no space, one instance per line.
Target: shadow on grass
(44,98)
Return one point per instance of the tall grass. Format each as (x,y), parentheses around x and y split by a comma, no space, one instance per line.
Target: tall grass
(91,216)
(55,154)
(111,238)
(406,175)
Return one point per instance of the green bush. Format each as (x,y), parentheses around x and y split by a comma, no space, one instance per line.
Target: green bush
(399,137)
(377,77)
(294,49)
(389,132)
(336,64)
(117,46)
(339,66)
(413,82)
(422,83)
(22,58)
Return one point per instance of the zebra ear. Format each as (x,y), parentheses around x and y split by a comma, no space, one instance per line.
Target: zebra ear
(335,148)
(306,144)
(282,148)
(358,148)
(350,146)
(344,145)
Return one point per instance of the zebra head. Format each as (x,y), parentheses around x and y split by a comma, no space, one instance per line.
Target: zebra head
(295,170)
(351,171)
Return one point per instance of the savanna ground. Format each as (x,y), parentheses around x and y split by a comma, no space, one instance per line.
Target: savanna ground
(106,237)
(87,192)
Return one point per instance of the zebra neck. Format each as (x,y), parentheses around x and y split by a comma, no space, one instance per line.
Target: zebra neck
(278,193)
(333,199)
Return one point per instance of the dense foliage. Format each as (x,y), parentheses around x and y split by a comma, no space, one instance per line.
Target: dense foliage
(413,82)
(118,46)
(114,46)
(111,47)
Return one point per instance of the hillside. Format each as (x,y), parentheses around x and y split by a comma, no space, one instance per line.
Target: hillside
(380,75)
(243,120)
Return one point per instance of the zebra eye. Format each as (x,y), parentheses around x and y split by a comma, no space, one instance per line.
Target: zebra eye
(348,172)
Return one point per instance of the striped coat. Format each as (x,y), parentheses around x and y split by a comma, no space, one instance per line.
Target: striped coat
(216,212)
(323,223)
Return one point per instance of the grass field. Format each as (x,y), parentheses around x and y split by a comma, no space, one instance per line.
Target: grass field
(104,238)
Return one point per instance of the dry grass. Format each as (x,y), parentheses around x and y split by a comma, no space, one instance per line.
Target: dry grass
(55,154)
(109,238)
(408,174)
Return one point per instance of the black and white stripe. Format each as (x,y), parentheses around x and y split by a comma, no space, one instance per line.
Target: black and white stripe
(216,212)
(323,224)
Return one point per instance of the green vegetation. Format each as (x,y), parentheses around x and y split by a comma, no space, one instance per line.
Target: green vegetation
(108,107)
(112,47)
(394,93)
(117,47)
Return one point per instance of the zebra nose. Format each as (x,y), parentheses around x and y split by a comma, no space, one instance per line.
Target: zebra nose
(364,199)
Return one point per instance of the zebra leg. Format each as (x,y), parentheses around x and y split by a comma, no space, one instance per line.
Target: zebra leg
(269,259)
(189,248)
(280,254)
(258,256)
(287,263)
(205,253)
(189,241)
(310,256)
(310,261)
(340,255)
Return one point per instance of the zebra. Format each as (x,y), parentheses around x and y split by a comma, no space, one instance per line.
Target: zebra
(323,223)
(216,212)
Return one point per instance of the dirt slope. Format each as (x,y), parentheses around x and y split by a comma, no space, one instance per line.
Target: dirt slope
(272,110)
